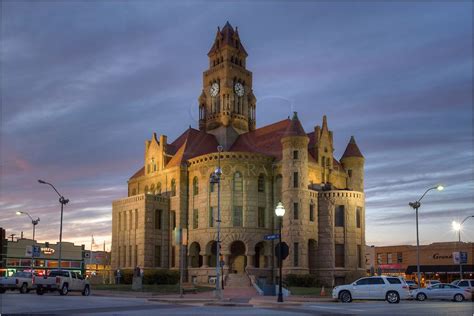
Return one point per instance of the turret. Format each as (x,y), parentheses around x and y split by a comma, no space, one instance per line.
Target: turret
(294,194)
(353,162)
(324,150)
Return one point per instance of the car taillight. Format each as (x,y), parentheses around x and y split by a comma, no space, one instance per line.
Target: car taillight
(58,280)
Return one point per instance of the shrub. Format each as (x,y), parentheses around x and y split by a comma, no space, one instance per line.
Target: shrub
(303,280)
(160,276)
(126,276)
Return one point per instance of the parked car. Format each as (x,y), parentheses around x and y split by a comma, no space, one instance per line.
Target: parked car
(391,289)
(22,281)
(432,282)
(442,291)
(62,281)
(466,284)
(411,284)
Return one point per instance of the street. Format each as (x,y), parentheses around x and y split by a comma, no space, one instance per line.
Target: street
(53,304)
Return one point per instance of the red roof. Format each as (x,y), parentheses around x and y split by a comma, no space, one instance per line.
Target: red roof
(295,128)
(352,150)
(192,143)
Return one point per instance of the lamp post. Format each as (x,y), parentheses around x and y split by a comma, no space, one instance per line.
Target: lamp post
(280,212)
(416,205)
(216,178)
(458,227)
(63,201)
(34,222)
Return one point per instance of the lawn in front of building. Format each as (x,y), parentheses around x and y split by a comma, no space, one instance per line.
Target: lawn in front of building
(310,291)
(154,288)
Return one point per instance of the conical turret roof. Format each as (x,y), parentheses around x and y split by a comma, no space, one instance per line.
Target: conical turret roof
(295,128)
(352,150)
(229,37)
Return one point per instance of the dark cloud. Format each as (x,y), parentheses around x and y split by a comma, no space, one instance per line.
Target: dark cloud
(85,83)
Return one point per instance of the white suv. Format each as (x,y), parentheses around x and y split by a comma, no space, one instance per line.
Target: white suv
(388,288)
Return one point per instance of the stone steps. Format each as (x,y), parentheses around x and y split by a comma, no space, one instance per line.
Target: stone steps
(237,280)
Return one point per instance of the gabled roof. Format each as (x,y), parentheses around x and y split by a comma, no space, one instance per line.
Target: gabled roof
(294,128)
(352,150)
(190,144)
(265,140)
(227,35)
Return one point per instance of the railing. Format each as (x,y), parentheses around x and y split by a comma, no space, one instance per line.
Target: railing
(253,283)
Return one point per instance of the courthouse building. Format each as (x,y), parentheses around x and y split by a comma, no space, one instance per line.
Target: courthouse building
(324,223)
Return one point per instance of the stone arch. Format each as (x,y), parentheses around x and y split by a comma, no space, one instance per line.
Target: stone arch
(260,255)
(211,251)
(195,258)
(237,259)
(312,255)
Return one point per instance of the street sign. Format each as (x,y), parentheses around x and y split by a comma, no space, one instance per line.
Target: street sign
(285,250)
(271,237)
(29,251)
(463,257)
(36,251)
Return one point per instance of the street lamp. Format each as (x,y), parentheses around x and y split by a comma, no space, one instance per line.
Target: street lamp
(34,222)
(216,178)
(63,201)
(280,212)
(458,227)
(416,205)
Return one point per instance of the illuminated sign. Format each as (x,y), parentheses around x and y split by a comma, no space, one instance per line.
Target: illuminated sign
(47,251)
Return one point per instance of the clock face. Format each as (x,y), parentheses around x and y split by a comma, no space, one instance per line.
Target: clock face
(239,89)
(214,90)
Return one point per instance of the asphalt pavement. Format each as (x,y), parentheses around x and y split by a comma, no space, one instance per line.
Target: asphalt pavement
(75,304)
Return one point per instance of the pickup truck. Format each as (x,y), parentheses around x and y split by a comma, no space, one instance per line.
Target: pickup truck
(22,281)
(62,281)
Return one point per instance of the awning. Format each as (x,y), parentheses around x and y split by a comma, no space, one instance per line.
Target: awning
(466,268)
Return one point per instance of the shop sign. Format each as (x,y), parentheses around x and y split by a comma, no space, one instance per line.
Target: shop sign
(438,256)
(47,251)
(390,266)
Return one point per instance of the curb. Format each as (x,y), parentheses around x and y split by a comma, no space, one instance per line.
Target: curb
(228,304)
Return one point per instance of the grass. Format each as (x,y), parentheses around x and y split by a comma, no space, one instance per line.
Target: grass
(154,288)
(310,291)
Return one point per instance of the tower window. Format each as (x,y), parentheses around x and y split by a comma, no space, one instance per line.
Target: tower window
(261,183)
(295,179)
(311,212)
(261,217)
(358,216)
(295,154)
(237,218)
(195,186)
(340,262)
(158,221)
(173,187)
(339,218)
(238,183)
(158,256)
(295,211)
(195,218)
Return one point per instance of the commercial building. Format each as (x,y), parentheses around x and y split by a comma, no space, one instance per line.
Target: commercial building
(18,257)
(436,260)
(324,223)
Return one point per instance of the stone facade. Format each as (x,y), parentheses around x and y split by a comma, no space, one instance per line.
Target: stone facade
(324,223)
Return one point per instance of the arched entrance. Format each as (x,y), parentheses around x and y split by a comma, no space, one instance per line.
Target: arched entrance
(195,259)
(211,253)
(259,258)
(238,260)
(312,257)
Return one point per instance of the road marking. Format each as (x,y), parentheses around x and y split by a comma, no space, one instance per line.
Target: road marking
(338,308)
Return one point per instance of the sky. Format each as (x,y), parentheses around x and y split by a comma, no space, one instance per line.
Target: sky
(84,84)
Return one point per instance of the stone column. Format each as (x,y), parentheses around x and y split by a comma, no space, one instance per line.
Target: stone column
(250,257)
(205,260)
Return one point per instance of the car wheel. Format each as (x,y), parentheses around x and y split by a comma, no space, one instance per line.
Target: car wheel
(392,297)
(39,291)
(24,288)
(421,296)
(87,291)
(64,290)
(345,297)
(458,298)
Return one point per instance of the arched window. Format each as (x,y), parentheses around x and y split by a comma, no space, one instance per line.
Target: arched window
(211,185)
(158,188)
(173,187)
(152,189)
(146,189)
(238,181)
(261,183)
(134,192)
(195,186)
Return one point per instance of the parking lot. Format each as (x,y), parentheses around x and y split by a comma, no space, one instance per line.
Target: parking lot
(52,303)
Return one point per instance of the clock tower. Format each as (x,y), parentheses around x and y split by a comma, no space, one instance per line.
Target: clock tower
(227,103)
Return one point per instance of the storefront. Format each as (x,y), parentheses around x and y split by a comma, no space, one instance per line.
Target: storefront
(18,257)
(436,261)
(97,266)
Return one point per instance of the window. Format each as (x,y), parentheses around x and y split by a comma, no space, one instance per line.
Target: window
(173,187)
(195,218)
(295,210)
(379,258)
(359,256)
(261,217)
(195,186)
(376,281)
(120,221)
(389,258)
(295,179)
(339,256)
(261,183)
(157,256)
(211,216)
(152,189)
(394,281)
(148,168)
(358,215)
(349,172)
(136,218)
(173,256)
(295,254)
(158,188)
(237,216)
(146,189)
(363,281)
(134,192)
(238,183)
(130,220)
(339,218)
(158,221)
(399,257)
(311,212)
(463,283)
(173,219)
(295,154)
